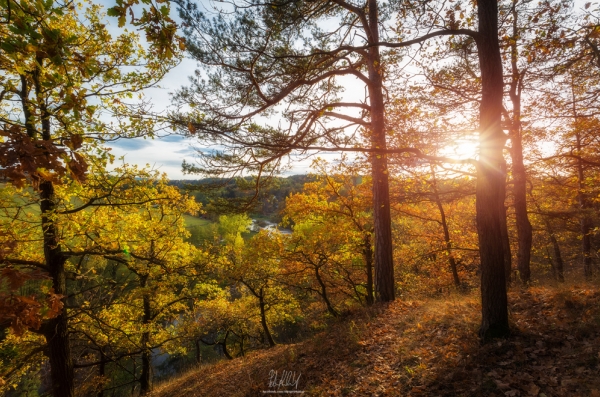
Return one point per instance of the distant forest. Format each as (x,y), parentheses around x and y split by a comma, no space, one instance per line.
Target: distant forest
(221,195)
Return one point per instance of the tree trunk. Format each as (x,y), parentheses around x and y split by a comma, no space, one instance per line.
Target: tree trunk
(491,179)
(524,229)
(102,373)
(438,201)
(146,375)
(384,260)
(224,346)
(368,255)
(56,330)
(323,293)
(198,352)
(558,262)
(505,243)
(585,221)
(448,242)
(263,319)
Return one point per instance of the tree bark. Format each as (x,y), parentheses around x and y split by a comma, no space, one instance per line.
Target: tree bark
(368,255)
(384,260)
(505,244)
(490,191)
(519,176)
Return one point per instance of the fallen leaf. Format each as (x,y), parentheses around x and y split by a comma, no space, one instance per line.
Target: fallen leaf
(533,389)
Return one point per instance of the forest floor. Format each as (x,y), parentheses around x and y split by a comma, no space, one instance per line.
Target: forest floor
(427,347)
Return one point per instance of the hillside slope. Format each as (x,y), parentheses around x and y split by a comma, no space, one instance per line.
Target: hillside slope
(428,348)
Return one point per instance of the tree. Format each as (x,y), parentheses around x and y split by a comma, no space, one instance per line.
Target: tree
(62,74)
(340,199)
(256,68)
(273,31)
(251,301)
(143,243)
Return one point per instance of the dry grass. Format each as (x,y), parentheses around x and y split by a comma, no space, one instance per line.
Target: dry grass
(429,348)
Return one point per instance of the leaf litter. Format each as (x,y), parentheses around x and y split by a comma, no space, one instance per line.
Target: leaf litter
(429,347)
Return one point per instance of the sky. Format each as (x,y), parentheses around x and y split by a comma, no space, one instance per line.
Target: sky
(167,154)
(164,154)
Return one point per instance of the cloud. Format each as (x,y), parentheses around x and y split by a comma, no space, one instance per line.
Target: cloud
(131,144)
(187,151)
(172,163)
(171,138)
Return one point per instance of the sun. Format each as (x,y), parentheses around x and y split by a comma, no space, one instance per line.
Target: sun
(466,147)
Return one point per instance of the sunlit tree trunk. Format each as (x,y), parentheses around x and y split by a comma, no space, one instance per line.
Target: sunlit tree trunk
(384,260)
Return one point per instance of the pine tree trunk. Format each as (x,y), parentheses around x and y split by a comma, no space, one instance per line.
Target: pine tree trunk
(490,191)
(384,260)
(368,255)
(524,229)
(505,243)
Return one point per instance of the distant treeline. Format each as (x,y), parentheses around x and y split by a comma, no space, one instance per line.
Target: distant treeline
(235,195)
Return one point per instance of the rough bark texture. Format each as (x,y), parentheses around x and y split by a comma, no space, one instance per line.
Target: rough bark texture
(384,261)
(490,189)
